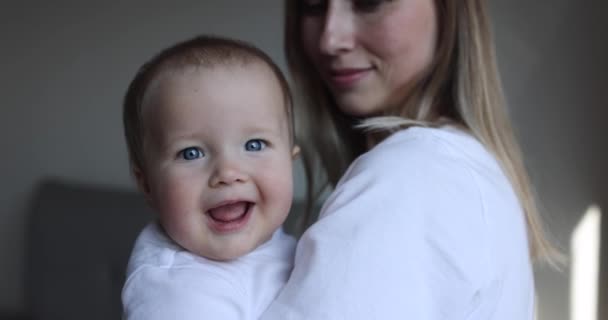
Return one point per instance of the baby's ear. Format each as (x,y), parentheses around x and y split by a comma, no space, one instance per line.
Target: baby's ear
(142,181)
(144,186)
(295,151)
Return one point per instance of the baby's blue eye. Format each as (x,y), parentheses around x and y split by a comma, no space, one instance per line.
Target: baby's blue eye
(191,153)
(255,145)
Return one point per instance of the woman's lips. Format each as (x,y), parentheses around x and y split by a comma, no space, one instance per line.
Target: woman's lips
(229,217)
(348,77)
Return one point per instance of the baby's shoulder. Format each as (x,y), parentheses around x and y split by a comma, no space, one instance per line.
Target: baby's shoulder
(154,250)
(156,258)
(152,247)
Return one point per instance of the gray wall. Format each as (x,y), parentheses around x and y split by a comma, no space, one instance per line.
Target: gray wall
(553,61)
(66,64)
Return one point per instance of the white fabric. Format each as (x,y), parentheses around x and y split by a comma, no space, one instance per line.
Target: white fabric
(424,226)
(166,282)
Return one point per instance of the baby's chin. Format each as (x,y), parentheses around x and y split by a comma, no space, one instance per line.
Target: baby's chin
(226,254)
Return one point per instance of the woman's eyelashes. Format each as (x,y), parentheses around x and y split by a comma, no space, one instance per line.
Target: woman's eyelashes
(255,145)
(191,153)
(367,5)
(319,7)
(313,7)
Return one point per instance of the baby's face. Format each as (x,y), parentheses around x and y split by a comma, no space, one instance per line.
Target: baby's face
(219,158)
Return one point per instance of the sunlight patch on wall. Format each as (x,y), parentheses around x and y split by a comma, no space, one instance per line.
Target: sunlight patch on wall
(584,277)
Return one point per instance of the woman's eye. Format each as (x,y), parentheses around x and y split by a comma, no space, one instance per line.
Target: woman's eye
(191,153)
(319,7)
(367,5)
(255,145)
(313,7)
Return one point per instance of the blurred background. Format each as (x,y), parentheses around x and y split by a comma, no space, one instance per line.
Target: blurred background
(64,68)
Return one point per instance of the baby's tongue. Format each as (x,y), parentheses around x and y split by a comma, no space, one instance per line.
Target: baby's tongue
(229,212)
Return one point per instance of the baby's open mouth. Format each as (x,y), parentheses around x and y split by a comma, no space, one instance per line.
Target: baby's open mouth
(231,212)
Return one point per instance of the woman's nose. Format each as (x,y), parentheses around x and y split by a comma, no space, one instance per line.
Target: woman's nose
(338,34)
(226,173)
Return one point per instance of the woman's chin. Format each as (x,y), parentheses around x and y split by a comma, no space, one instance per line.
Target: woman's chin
(357,106)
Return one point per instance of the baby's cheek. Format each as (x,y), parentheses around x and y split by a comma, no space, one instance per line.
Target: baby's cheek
(172,194)
(282,192)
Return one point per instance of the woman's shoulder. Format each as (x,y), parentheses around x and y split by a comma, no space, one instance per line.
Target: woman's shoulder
(441,191)
(439,178)
(413,171)
(428,144)
(425,153)
(437,175)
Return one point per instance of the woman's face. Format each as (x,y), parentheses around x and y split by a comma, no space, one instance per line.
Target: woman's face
(368,52)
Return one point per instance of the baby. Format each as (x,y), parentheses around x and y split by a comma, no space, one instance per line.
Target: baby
(209,130)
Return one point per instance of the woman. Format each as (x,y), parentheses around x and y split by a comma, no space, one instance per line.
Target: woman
(432,216)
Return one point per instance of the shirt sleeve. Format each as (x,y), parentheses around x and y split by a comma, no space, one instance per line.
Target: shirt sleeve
(401,237)
(156,293)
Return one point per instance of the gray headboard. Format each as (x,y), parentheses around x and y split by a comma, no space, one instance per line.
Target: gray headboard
(79,240)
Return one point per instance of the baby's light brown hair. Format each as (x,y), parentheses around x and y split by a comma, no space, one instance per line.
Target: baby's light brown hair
(200,52)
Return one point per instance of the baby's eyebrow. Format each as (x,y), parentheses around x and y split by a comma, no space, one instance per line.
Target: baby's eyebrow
(165,143)
(171,137)
(255,127)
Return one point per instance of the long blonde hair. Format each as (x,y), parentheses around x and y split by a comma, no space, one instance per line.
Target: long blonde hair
(461,84)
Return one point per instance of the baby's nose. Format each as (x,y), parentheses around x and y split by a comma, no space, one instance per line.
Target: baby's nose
(226,173)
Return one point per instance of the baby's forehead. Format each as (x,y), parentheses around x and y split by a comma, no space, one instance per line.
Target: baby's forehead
(234,70)
(253,85)
(168,80)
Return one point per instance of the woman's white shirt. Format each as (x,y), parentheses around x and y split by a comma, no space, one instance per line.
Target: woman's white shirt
(424,226)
